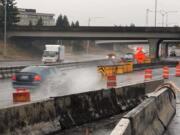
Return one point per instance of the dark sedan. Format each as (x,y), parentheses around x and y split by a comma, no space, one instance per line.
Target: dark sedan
(32,76)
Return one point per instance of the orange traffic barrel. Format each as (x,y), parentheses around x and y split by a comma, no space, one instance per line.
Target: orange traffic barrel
(21,95)
(111,81)
(148,74)
(166,72)
(178,70)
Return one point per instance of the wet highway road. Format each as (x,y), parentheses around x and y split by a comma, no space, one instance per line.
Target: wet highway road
(74,81)
(68,58)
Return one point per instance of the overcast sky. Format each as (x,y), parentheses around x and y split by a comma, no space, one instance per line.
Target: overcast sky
(110,12)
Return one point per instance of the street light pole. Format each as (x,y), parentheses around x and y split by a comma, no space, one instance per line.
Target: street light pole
(5,29)
(155,20)
(147,16)
(163,15)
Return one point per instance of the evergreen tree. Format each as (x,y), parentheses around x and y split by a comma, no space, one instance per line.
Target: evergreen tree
(132,25)
(72,24)
(65,22)
(77,24)
(62,22)
(12,12)
(59,21)
(40,22)
(30,23)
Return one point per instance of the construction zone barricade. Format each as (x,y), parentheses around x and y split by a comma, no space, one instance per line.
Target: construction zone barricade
(21,95)
(7,72)
(178,70)
(119,69)
(165,72)
(151,117)
(129,66)
(111,81)
(147,74)
(106,70)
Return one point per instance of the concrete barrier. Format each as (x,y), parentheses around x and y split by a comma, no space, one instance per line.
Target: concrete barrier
(166,105)
(123,128)
(59,113)
(151,117)
(7,72)
(39,117)
(158,64)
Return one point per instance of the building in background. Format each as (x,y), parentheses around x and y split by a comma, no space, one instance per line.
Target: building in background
(30,16)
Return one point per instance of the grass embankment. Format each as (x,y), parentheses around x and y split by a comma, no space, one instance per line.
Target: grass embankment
(20,53)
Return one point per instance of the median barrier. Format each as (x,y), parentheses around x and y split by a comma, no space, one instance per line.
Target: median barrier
(58,113)
(151,117)
(166,105)
(7,72)
(122,128)
(160,64)
(38,117)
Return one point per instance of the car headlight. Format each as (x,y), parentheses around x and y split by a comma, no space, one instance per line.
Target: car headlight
(113,57)
(107,57)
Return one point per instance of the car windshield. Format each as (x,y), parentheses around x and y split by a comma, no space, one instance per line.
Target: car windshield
(33,69)
(50,54)
(129,56)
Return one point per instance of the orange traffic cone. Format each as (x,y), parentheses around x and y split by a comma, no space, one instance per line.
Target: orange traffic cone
(111,81)
(21,95)
(178,70)
(148,74)
(166,72)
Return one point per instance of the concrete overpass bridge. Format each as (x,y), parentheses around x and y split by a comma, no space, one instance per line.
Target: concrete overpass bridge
(154,35)
(133,42)
(119,44)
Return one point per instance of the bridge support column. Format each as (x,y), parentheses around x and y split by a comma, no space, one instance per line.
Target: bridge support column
(117,47)
(164,50)
(154,48)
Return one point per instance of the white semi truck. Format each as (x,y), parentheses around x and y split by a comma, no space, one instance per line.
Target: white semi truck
(53,54)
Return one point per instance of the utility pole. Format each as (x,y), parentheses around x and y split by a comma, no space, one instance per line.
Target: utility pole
(163,15)
(155,19)
(5,29)
(147,16)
